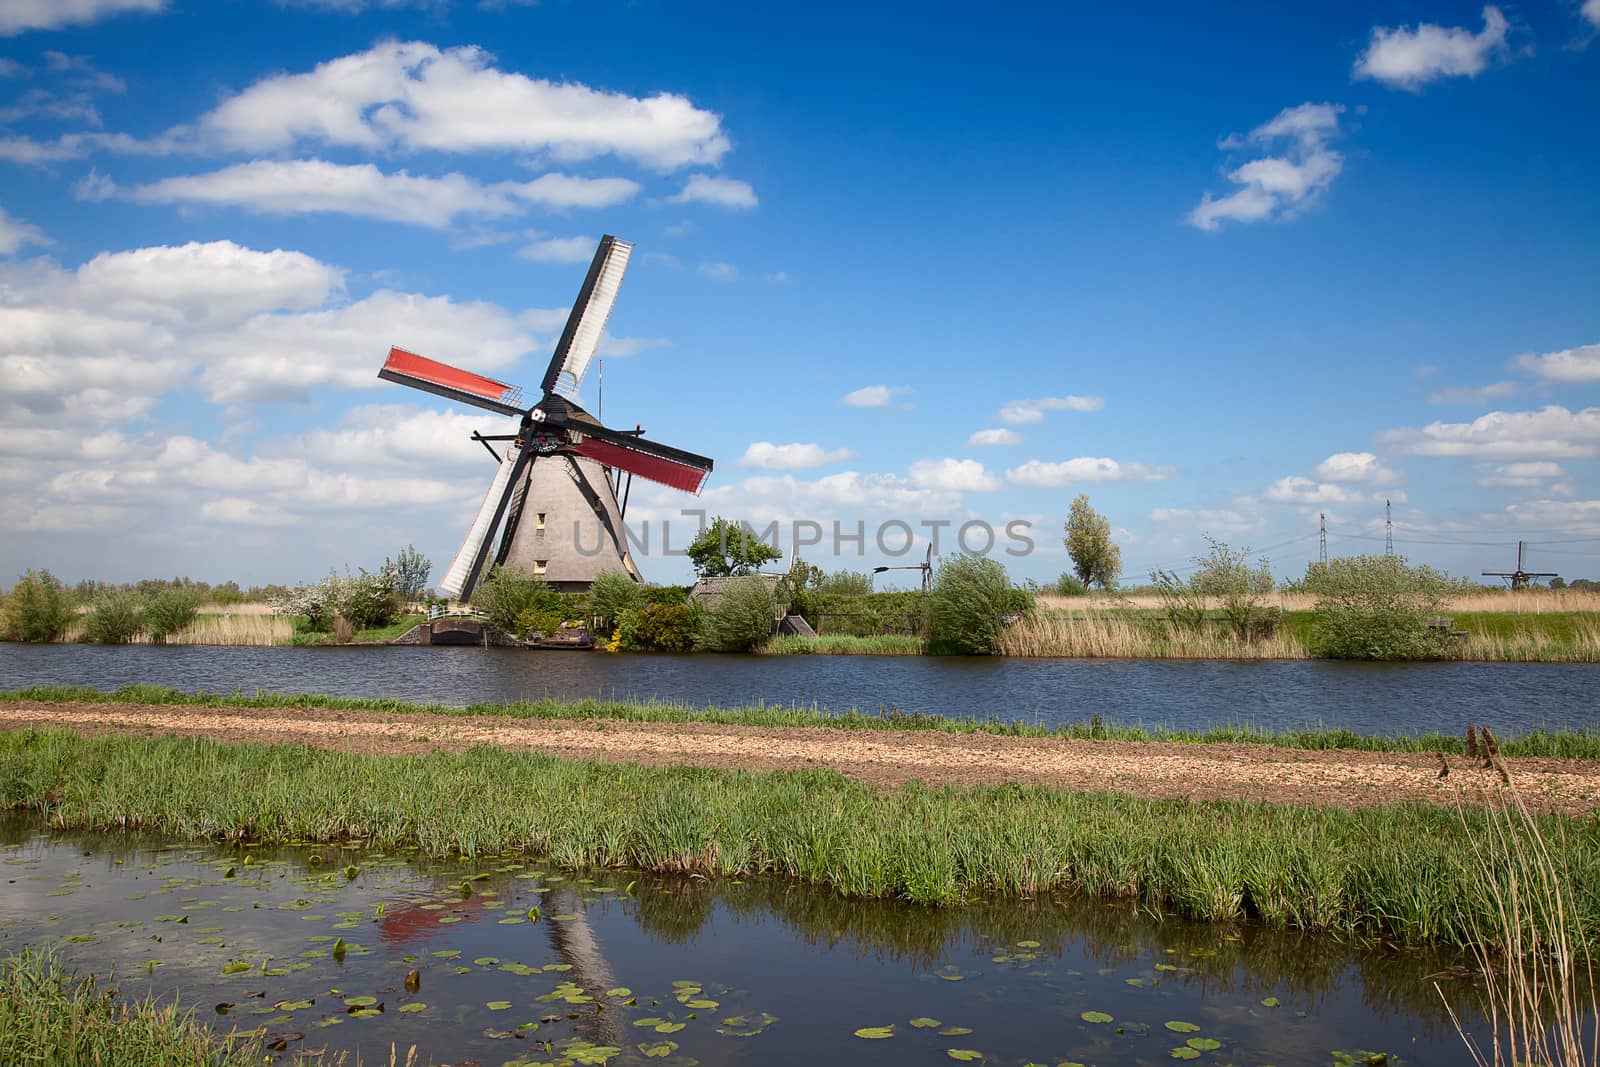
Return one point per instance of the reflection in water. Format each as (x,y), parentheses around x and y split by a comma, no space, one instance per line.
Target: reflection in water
(1439,697)
(762,971)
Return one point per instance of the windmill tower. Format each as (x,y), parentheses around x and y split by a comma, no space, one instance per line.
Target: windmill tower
(559,475)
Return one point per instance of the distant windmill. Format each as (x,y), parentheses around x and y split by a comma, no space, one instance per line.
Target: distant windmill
(558,464)
(1519,578)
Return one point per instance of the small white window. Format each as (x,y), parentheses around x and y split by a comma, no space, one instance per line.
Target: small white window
(539,565)
(538,523)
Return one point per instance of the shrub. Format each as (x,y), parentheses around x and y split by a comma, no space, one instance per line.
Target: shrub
(1070,585)
(113,620)
(1224,574)
(741,617)
(970,600)
(368,600)
(658,628)
(666,594)
(543,621)
(38,608)
(1377,607)
(612,594)
(170,611)
(508,592)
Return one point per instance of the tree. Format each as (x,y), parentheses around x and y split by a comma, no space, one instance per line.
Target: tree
(741,617)
(411,569)
(113,620)
(1095,560)
(1226,574)
(1377,607)
(727,548)
(38,608)
(508,593)
(969,604)
(170,611)
(612,595)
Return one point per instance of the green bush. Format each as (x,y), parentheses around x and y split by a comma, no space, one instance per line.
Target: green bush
(368,600)
(898,611)
(1070,585)
(1377,607)
(658,628)
(508,592)
(170,611)
(38,608)
(970,600)
(612,594)
(113,620)
(740,618)
(666,594)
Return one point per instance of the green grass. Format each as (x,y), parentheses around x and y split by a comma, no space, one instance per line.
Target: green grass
(843,645)
(1405,873)
(305,636)
(50,1018)
(1558,744)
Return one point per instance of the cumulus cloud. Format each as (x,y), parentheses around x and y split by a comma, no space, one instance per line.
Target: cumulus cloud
(1019,412)
(1528,475)
(985,438)
(723,192)
(218,282)
(416,97)
(791,457)
(1297,489)
(1278,186)
(718,272)
(1570,366)
(313,186)
(873,396)
(1591,12)
(14,234)
(19,16)
(1403,58)
(1550,433)
(1209,518)
(1576,516)
(559,250)
(1039,474)
(962,475)
(1362,467)
(1470,395)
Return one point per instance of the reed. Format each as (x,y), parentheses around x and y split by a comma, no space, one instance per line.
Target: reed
(842,645)
(1553,744)
(1532,944)
(1091,633)
(1521,602)
(1404,873)
(1578,642)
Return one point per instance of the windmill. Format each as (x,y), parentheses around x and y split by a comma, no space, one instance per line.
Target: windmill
(560,464)
(1519,578)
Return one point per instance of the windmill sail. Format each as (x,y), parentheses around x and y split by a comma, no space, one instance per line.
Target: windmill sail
(441,379)
(581,337)
(463,572)
(649,460)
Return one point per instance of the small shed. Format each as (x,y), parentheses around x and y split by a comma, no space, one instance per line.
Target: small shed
(707,591)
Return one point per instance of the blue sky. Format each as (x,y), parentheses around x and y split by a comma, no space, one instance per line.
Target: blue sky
(1224,272)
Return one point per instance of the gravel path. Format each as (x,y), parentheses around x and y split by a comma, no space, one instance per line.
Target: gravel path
(881,757)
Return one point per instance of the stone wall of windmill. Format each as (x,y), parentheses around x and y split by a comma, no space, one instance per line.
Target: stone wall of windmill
(560,535)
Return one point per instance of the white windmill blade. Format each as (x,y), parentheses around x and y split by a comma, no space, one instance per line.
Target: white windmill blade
(581,337)
(458,579)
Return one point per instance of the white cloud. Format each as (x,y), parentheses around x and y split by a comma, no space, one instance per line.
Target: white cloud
(14,234)
(1278,186)
(559,250)
(1403,58)
(1569,366)
(1572,516)
(1025,411)
(1550,433)
(1363,467)
(1523,475)
(784,496)
(1296,489)
(313,186)
(984,438)
(398,436)
(622,347)
(1041,475)
(416,97)
(1209,518)
(219,282)
(1480,394)
(723,192)
(1591,11)
(960,475)
(19,16)
(241,511)
(873,396)
(791,457)
(718,272)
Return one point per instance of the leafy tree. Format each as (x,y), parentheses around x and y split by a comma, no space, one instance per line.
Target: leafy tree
(1070,585)
(612,594)
(411,570)
(170,611)
(845,583)
(508,592)
(38,608)
(740,618)
(1226,574)
(727,548)
(113,620)
(971,599)
(1095,559)
(1377,607)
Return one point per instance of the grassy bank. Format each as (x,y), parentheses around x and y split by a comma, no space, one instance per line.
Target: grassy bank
(1406,873)
(843,645)
(1555,744)
(50,1018)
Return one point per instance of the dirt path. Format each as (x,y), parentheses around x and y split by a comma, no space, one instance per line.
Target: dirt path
(885,758)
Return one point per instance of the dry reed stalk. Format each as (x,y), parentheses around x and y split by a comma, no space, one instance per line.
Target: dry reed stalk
(1537,971)
(1526,601)
(1089,634)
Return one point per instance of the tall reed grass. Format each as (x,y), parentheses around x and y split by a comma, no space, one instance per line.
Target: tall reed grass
(1092,633)
(842,645)
(1406,873)
(1579,644)
(1523,602)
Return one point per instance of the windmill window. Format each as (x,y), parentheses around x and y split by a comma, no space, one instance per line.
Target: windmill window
(538,523)
(539,565)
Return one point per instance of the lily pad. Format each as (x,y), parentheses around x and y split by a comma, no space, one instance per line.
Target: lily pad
(1204,1044)
(1098,1017)
(498,1005)
(1179,1027)
(415,1005)
(1270,1002)
(876,1033)
(659,1049)
(360,1002)
(925,1023)
(1184,1052)
(964,1054)
(955,1031)
(670,1028)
